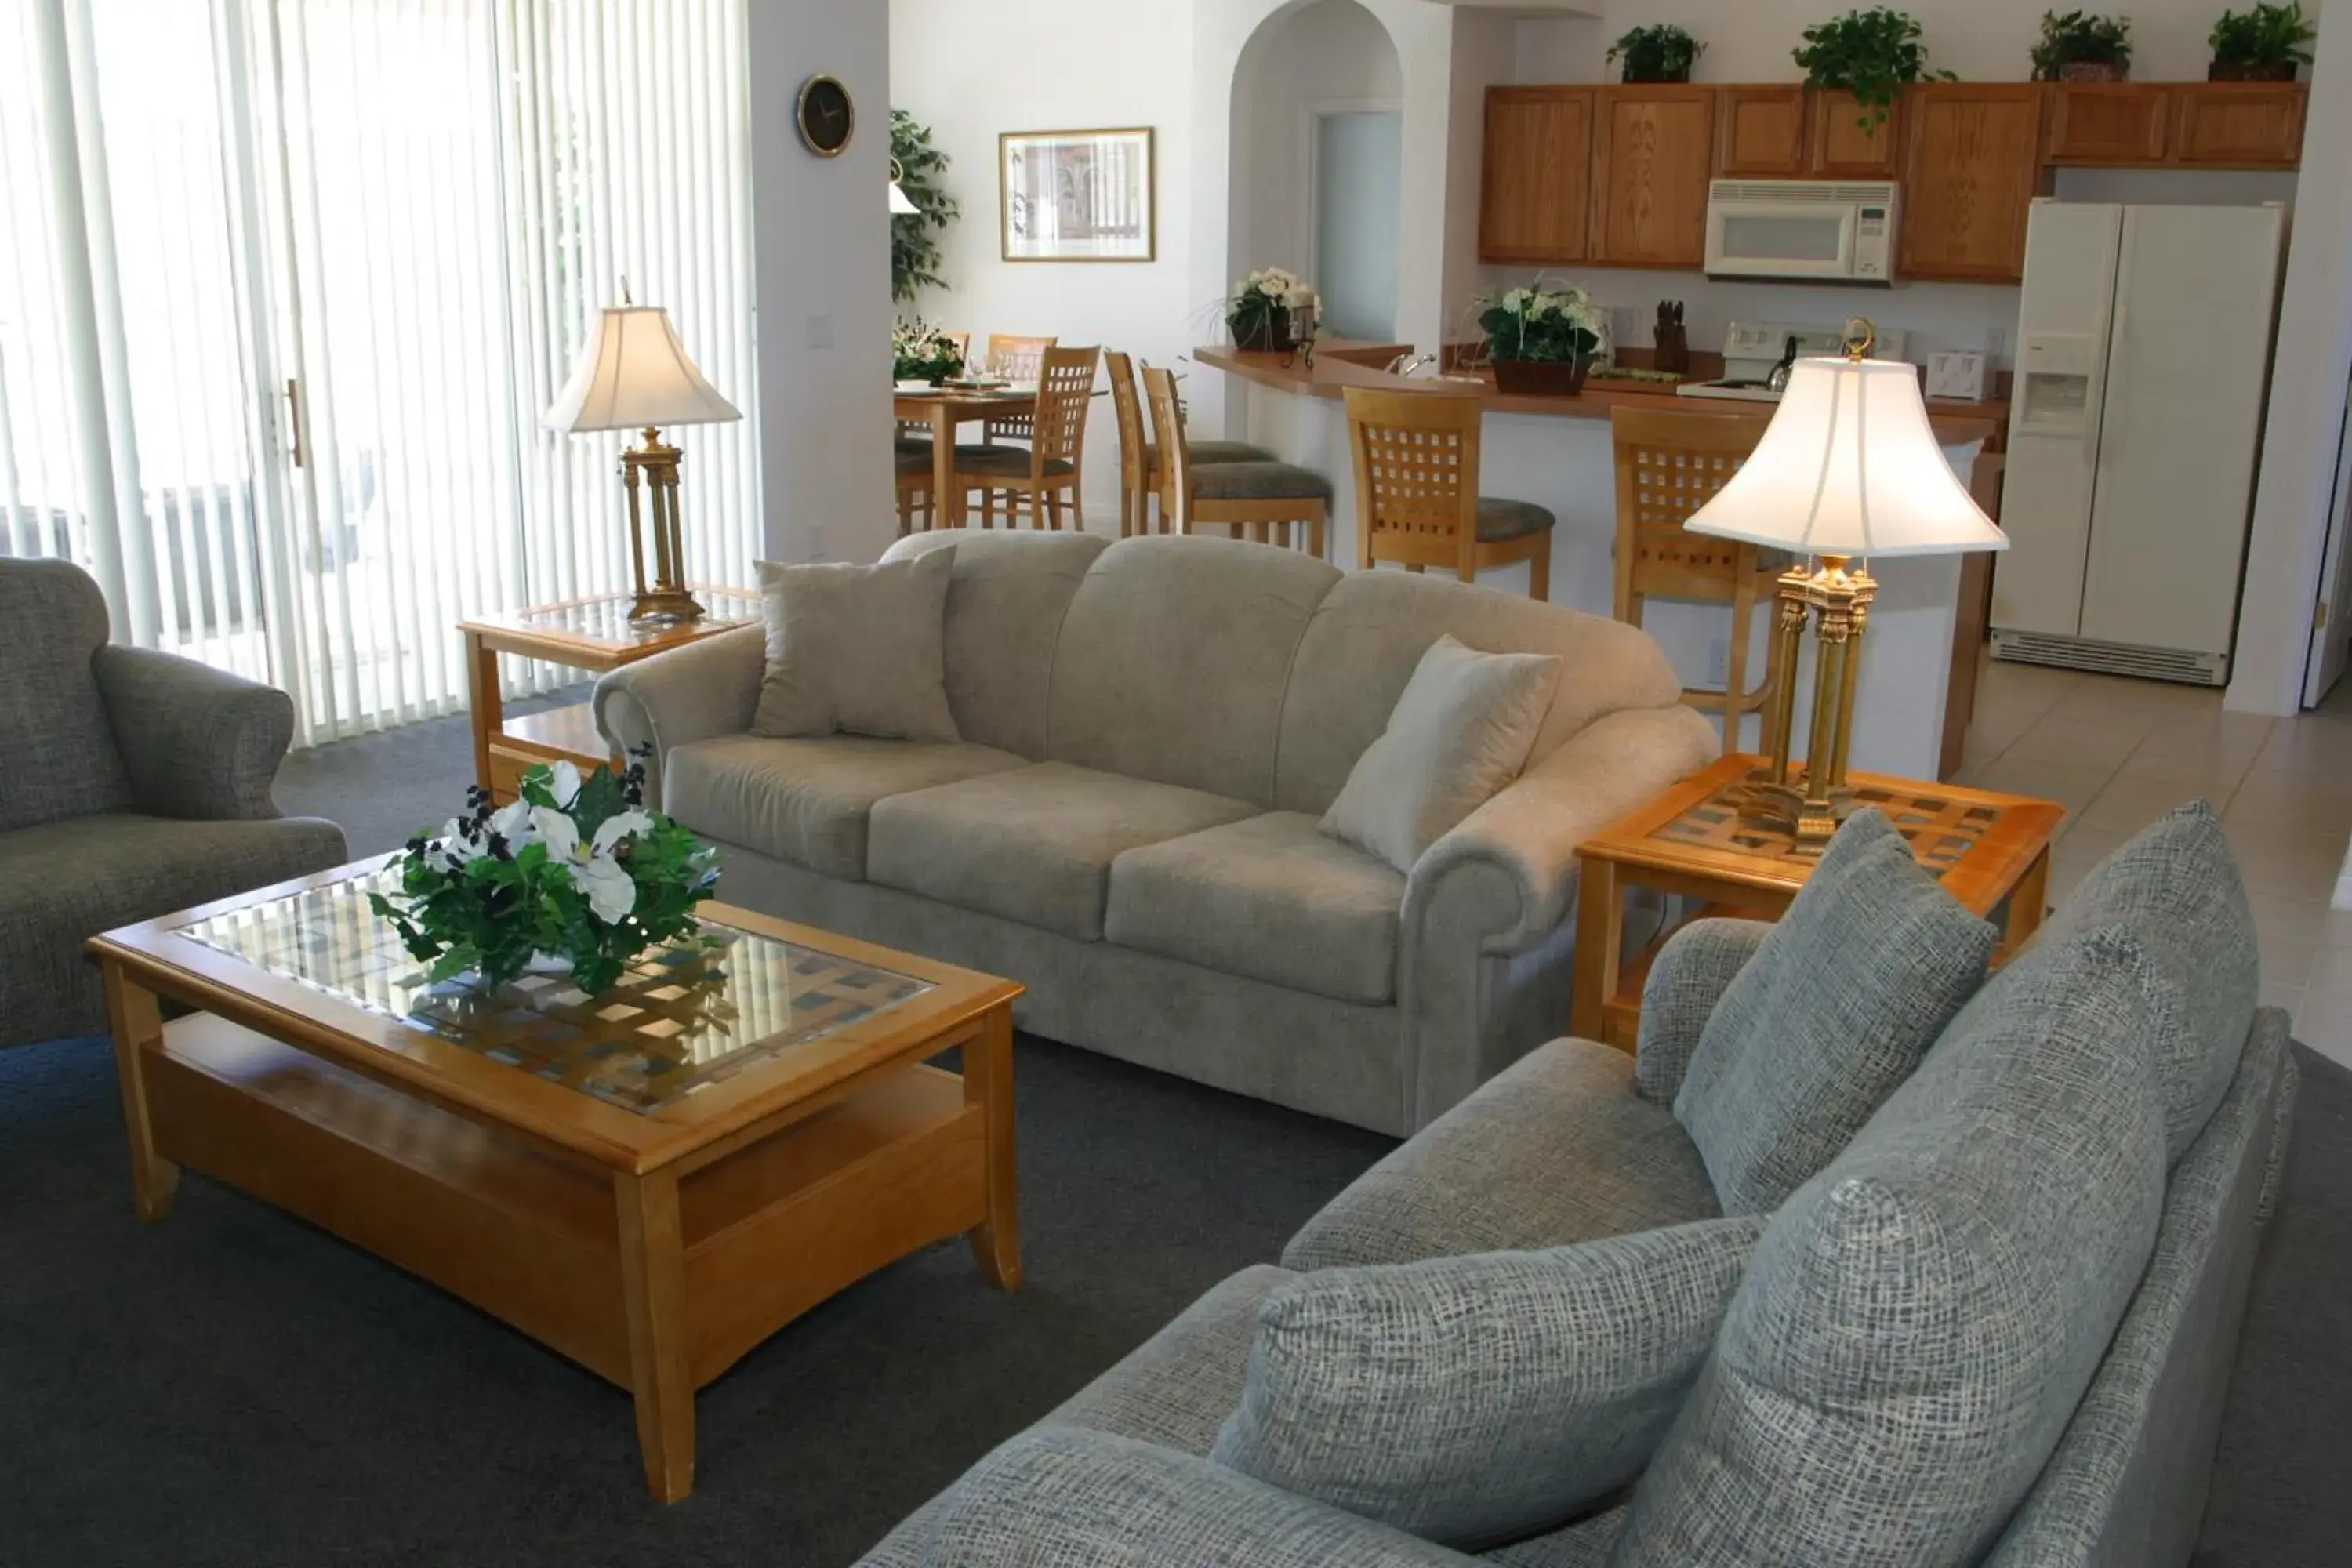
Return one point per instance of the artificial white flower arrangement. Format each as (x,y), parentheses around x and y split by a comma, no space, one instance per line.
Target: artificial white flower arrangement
(1542,324)
(575,868)
(1259,313)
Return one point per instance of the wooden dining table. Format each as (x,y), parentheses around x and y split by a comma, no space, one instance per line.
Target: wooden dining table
(945,408)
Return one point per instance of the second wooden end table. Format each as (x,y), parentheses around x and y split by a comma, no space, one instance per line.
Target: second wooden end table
(1992,852)
(593,635)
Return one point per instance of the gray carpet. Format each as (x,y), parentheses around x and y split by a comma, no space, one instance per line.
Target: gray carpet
(232,1388)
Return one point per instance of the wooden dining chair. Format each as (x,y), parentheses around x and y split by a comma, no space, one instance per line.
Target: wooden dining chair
(1670,464)
(914,498)
(1047,471)
(1139,479)
(1258,497)
(915,436)
(1417,500)
(1012,359)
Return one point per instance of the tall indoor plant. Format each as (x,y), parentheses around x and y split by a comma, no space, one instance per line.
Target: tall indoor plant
(920,168)
(2078,46)
(1541,341)
(1873,53)
(1660,53)
(2266,43)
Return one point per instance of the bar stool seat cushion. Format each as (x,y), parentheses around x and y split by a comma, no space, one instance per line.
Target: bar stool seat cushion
(1214,452)
(1259,482)
(911,445)
(1008,462)
(1499,519)
(914,463)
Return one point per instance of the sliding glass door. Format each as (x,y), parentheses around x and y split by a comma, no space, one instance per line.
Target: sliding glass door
(305,275)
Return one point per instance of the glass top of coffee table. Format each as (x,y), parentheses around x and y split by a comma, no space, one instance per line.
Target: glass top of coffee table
(679,1020)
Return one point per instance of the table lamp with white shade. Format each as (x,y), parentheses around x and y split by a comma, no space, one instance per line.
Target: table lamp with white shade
(1848,469)
(634,374)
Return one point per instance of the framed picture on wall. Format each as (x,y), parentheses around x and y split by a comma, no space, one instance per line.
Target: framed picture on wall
(1078,195)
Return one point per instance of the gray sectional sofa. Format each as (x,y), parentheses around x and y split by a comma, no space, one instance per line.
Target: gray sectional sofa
(2023,1280)
(1150,733)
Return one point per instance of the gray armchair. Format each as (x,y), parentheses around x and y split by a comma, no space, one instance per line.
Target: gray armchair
(131,783)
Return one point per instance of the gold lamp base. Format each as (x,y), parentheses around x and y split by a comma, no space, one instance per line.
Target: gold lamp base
(1810,799)
(654,467)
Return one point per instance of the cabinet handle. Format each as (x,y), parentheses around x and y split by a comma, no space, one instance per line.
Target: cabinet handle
(294,417)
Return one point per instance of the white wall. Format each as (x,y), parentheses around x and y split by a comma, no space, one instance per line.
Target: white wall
(971,72)
(821,286)
(1332,55)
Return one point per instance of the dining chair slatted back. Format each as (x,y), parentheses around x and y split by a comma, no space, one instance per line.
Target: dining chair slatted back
(1013,358)
(1066,391)
(1046,476)
(1416,456)
(1669,465)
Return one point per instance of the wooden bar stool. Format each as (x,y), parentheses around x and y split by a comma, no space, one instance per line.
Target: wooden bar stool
(1670,464)
(1257,496)
(1049,468)
(1139,478)
(1417,500)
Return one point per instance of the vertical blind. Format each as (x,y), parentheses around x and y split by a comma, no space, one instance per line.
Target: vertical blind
(287,284)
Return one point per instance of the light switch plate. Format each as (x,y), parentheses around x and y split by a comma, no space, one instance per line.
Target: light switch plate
(1957,373)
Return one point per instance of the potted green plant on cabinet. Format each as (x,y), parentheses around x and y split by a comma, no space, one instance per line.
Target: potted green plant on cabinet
(2264,44)
(915,237)
(1662,53)
(1541,341)
(2078,46)
(1873,53)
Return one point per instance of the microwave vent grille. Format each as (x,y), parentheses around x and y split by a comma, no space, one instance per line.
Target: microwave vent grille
(1796,191)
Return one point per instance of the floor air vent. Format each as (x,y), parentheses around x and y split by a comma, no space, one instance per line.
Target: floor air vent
(2111,658)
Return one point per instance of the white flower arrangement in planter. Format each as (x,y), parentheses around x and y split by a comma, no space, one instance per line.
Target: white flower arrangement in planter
(1542,341)
(1260,310)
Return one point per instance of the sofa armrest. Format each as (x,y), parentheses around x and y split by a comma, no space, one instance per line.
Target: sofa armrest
(704,690)
(1686,979)
(1065,1494)
(198,742)
(1524,840)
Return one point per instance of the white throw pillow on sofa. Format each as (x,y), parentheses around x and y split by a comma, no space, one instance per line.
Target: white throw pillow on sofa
(861,650)
(1461,731)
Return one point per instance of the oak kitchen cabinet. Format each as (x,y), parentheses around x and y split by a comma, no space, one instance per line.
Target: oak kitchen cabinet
(1760,131)
(1848,142)
(1536,190)
(1971,170)
(2201,124)
(2111,124)
(1653,150)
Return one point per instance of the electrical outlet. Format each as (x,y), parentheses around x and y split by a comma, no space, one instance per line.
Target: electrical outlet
(1718,663)
(820,332)
(1996,343)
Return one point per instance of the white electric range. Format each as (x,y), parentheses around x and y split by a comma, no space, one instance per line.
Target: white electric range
(1750,349)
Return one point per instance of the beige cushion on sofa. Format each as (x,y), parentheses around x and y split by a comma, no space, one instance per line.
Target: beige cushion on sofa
(1034,844)
(1005,605)
(857,648)
(1270,897)
(1460,733)
(808,800)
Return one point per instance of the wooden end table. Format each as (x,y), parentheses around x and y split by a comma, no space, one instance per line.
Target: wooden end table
(593,635)
(650,1181)
(1992,852)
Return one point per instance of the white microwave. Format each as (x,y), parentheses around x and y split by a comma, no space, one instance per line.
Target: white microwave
(1840,231)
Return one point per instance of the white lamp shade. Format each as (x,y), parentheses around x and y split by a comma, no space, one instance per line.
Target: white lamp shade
(1850,466)
(634,374)
(901,204)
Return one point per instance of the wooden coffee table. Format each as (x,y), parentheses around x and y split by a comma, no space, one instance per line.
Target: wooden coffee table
(651,1180)
(1992,852)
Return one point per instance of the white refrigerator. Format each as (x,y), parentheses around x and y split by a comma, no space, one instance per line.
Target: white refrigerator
(2144,344)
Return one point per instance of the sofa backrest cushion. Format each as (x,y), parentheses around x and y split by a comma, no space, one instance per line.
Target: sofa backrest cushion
(1005,606)
(1479,1399)
(54,731)
(2175,886)
(1921,1320)
(1842,1001)
(1174,658)
(1369,636)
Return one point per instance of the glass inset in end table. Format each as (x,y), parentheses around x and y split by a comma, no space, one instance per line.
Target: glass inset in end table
(651,1180)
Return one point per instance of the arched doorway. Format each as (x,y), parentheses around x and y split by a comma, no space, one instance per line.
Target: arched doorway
(1315,161)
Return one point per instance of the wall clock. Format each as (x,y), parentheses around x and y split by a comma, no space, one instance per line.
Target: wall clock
(825,116)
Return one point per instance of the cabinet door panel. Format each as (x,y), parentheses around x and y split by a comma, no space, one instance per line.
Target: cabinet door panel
(1653,152)
(1761,132)
(1537,186)
(2241,124)
(1850,143)
(2110,122)
(1973,168)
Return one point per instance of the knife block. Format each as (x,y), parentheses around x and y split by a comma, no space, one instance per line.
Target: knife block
(1673,350)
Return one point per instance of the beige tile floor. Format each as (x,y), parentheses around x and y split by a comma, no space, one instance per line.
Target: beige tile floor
(2119,754)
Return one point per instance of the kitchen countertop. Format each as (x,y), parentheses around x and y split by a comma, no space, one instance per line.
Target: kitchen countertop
(1341,365)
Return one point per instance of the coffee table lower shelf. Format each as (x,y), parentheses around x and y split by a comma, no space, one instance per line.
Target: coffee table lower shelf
(767,1230)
